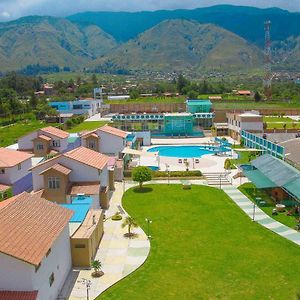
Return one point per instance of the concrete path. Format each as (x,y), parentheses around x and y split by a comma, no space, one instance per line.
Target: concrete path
(119,256)
(261,217)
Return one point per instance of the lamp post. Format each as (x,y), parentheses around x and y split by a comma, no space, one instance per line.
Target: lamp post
(87,284)
(123,185)
(253,217)
(168,171)
(148,227)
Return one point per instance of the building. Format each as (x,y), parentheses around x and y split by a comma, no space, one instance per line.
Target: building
(106,139)
(48,89)
(277,177)
(198,115)
(88,106)
(48,140)
(120,97)
(292,151)
(85,240)
(250,121)
(15,176)
(79,171)
(243,93)
(35,254)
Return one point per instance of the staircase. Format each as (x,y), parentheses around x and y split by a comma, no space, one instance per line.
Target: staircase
(217,178)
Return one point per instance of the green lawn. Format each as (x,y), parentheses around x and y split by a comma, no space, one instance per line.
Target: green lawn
(205,247)
(251,192)
(10,134)
(289,125)
(273,119)
(87,126)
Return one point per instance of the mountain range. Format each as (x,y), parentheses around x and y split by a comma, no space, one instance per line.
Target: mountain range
(216,38)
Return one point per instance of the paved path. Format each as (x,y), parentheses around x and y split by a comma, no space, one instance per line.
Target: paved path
(261,217)
(119,256)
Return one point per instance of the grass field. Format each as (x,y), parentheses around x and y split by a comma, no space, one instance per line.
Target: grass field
(205,247)
(87,126)
(10,134)
(249,190)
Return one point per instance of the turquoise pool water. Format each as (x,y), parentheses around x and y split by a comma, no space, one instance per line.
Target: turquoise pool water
(184,151)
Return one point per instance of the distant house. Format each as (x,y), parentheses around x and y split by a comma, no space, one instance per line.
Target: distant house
(35,255)
(48,89)
(88,106)
(106,139)
(120,97)
(244,93)
(215,98)
(15,176)
(79,171)
(44,141)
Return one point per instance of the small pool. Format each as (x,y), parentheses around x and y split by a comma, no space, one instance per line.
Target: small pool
(153,168)
(184,151)
(246,167)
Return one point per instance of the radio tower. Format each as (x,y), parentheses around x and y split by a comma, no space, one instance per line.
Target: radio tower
(267,82)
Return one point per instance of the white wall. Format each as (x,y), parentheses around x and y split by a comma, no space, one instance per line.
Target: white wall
(111,144)
(59,262)
(12,175)
(25,142)
(16,275)
(104,177)
(145,135)
(252,126)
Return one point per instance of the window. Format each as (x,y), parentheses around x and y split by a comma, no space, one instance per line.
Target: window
(39,146)
(53,183)
(56,143)
(91,144)
(51,279)
(2,171)
(19,167)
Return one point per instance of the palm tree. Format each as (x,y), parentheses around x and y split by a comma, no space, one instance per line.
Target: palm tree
(96,265)
(187,164)
(130,222)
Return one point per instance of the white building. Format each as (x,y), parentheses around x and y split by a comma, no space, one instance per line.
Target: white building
(250,121)
(14,169)
(35,252)
(106,139)
(44,141)
(80,171)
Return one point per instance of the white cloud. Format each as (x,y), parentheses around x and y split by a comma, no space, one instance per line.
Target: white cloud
(17,8)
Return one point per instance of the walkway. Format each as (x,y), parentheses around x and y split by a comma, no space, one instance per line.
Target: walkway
(261,217)
(119,256)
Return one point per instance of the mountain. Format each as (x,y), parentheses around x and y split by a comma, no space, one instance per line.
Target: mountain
(50,41)
(246,22)
(178,45)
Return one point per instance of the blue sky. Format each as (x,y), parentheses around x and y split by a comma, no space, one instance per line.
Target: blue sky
(12,9)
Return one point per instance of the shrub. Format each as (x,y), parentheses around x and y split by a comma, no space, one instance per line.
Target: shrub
(117,216)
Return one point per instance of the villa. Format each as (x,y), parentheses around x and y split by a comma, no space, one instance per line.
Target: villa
(106,139)
(15,176)
(34,262)
(48,140)
(79,171)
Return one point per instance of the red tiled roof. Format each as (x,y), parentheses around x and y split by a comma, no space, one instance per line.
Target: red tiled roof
(114,131)
(44,137)
(55,131)
(10,158)
(88,188)
(4,187)
(59,168)
(18,295)
(29,226)
(88,157)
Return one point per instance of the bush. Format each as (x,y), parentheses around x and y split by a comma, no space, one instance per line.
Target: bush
(116,217)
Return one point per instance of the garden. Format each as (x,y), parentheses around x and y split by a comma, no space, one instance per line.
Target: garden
(204,247)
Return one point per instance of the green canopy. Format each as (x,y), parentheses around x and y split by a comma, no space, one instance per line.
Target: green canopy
(259,179)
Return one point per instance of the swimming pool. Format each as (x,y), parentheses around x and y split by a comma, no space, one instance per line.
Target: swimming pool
(185,151)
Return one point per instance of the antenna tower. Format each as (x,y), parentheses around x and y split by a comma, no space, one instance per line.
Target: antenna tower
(267,82)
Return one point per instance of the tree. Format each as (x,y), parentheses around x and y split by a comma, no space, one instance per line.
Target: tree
(141,174)
(94,79)
(257,96)
(134,94)
(96,265)
(129,222)
(187,164)
(181,83)
(192,94)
